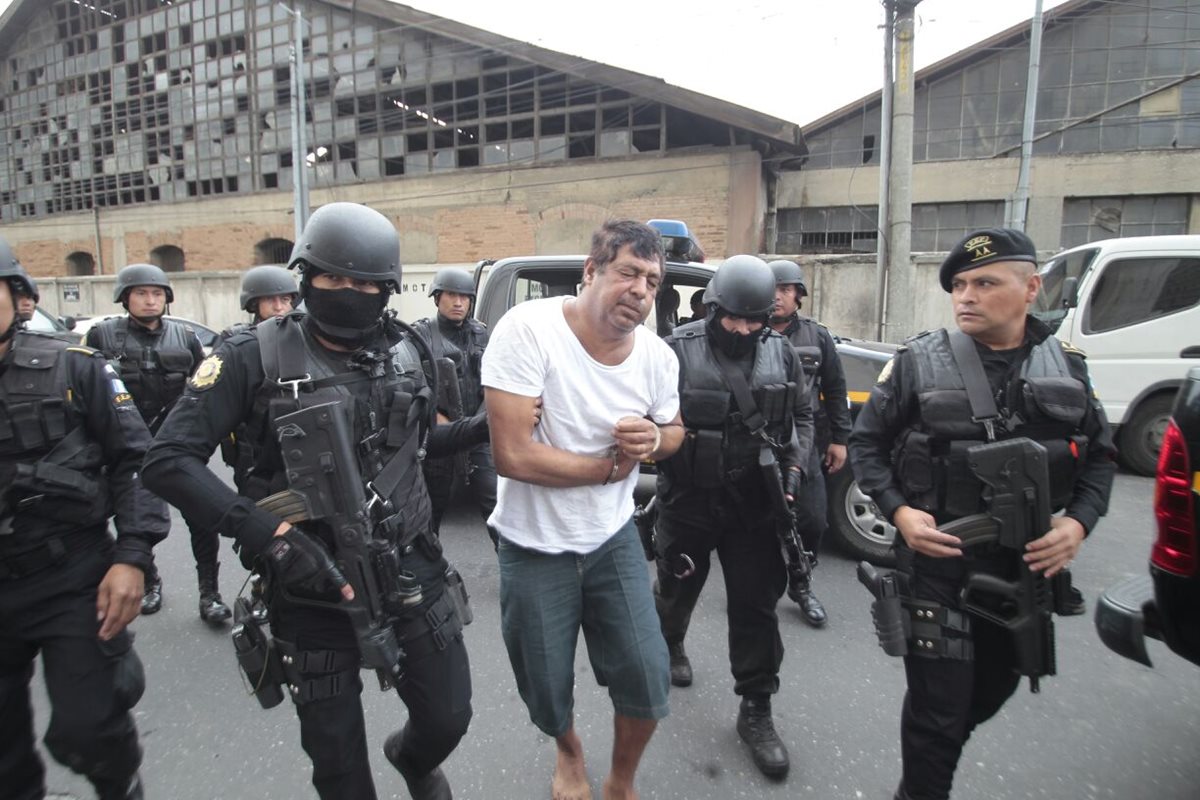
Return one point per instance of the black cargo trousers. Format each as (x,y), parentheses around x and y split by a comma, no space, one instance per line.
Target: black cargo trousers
(51,608)
(436,689)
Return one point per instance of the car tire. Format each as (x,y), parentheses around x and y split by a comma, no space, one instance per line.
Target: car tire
(855,521)
(1141,438)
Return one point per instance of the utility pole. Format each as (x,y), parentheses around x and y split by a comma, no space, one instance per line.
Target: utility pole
(299,135)
(900,284)
(1018,209)
(885,164)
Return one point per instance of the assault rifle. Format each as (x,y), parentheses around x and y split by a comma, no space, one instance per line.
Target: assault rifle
(1017,488)
(798,561)
(325,485)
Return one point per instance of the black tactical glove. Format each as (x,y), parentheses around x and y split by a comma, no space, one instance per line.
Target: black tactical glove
(303,566)
(792,480)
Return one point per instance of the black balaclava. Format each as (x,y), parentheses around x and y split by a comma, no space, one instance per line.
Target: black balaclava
(735,345)
(335,312)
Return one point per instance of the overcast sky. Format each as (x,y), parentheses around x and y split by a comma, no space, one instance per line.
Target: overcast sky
(795,59)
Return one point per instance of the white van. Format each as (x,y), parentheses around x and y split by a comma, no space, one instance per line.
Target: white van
(1133,305)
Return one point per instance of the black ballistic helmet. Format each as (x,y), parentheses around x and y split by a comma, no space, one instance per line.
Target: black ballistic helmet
(140,275)
(266,281)
(452,279)
(789,272)
(12,271)
(744,286)
(352,240)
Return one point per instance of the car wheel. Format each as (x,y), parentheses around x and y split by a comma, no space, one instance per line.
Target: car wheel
(1141,438)
(856,522)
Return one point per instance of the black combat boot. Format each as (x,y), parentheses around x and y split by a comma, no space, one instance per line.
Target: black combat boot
(212,608)
(152,600)
(1075,603)
(124,790)
(430,786)
(800,590)
(681,666)
(900,793)
(756,728)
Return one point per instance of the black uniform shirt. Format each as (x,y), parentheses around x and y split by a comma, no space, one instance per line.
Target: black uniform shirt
(99,402)
(893,406)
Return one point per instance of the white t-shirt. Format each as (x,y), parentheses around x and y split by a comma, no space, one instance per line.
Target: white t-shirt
(534,353)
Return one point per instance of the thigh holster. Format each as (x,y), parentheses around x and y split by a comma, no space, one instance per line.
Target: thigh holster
(938,632)
(431,631)
(317,674)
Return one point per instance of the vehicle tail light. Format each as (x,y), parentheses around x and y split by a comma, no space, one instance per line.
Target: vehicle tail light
(1174,507)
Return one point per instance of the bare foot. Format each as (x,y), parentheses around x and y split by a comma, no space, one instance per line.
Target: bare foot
(570,773)
(612,792)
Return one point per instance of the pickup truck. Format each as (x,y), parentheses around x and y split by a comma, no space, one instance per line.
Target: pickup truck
(854,520)
(1165,604)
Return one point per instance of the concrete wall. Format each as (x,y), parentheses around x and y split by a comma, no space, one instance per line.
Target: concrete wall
(212,298)
(841,294)
(1053,178)
(457,217)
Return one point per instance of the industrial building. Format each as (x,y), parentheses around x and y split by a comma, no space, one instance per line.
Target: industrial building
(1116,148)
(161,131)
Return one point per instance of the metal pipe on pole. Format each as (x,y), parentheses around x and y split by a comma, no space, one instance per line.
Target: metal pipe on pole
(900,320)
(299,143)
(1018,209)
(885,162)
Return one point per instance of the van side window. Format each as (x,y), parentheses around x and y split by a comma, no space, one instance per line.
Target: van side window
(1137,290)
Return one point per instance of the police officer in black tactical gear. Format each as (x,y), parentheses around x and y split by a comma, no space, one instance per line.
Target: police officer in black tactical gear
(154,357)
(71,445)
(460,338)
(268,291)
(826,383)
(714,493)
(347,351)
(908,449)
(27,297)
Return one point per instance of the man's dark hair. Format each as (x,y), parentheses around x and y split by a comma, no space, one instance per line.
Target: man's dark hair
(609,238)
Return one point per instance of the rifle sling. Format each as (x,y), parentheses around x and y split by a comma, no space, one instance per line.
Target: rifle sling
(979,391)
(751,416)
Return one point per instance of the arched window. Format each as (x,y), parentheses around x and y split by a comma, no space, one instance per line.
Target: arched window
(81,263)
(167,256)
(273,251)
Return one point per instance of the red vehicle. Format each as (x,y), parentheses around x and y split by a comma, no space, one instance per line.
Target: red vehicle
(1165,604)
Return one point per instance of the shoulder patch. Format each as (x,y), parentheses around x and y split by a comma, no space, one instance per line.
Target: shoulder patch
(1071,349)
(886,372)
(207,374)
(87,351)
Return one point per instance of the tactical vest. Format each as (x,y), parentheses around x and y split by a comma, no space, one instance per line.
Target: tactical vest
(466,351)
(391,422)
(806,341)
(718,447)
(154,366)
(1044,402)
(49,467)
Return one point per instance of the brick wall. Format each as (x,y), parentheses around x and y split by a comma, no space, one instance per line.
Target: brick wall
(457,217)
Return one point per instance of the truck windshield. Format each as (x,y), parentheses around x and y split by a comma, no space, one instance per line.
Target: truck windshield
(1048,306)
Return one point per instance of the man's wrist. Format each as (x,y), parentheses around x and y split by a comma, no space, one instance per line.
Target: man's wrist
(612,472)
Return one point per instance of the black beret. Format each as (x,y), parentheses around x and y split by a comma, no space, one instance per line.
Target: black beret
(985,247)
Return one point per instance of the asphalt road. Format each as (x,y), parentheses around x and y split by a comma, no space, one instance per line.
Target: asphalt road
(1104,728)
